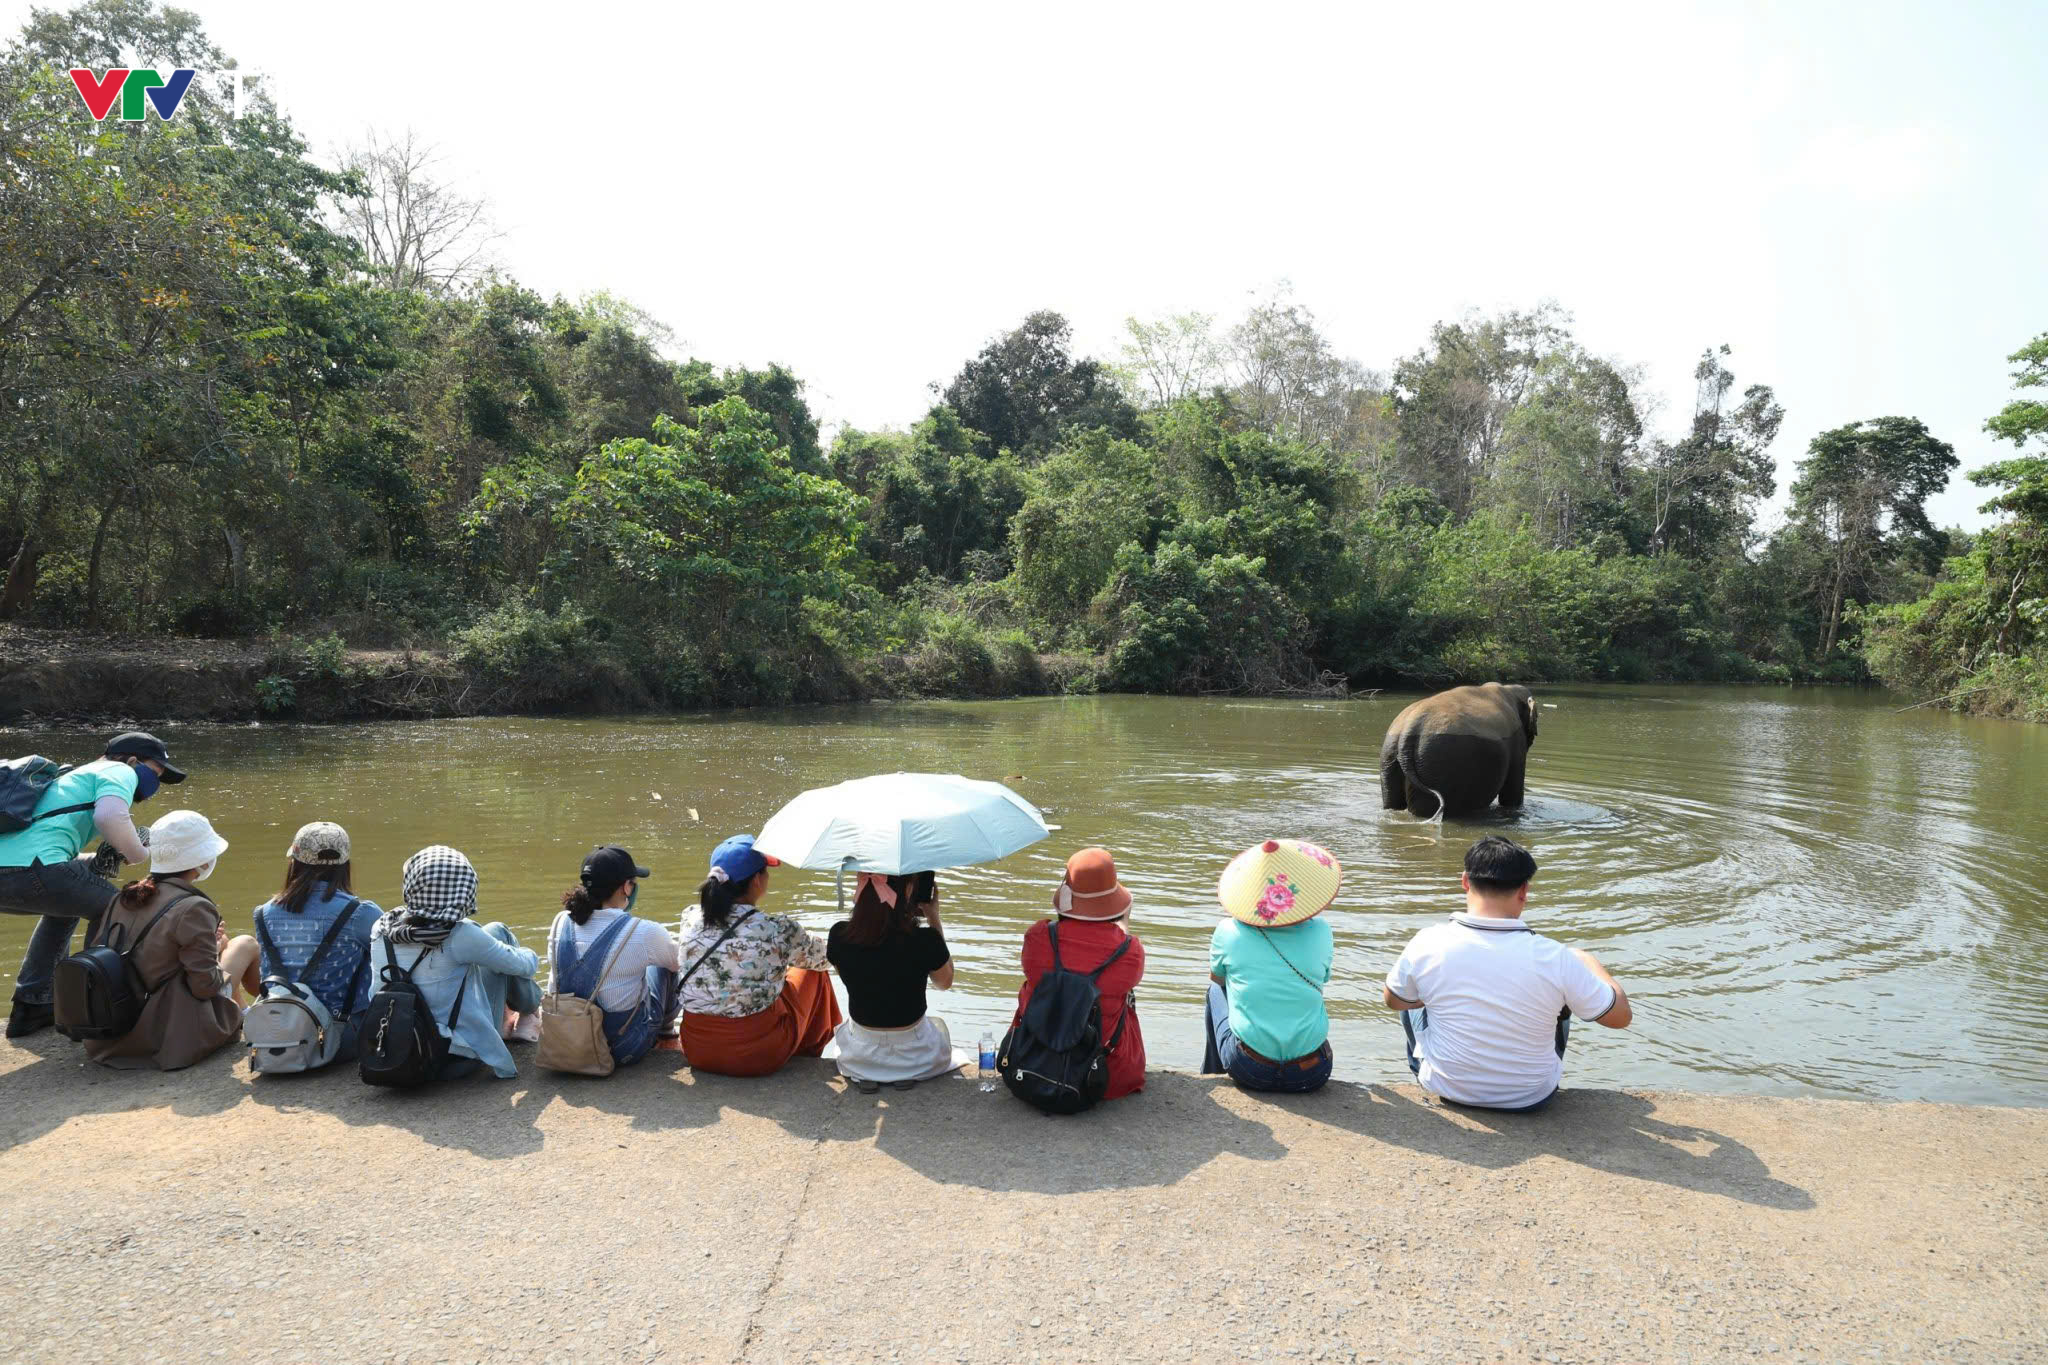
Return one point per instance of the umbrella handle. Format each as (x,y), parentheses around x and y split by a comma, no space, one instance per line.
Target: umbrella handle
(844,863)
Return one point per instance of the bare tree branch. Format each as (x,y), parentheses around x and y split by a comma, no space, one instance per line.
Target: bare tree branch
(418,231)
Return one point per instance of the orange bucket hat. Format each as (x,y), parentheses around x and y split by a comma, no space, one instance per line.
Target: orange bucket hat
(1279,882)
(1090,889)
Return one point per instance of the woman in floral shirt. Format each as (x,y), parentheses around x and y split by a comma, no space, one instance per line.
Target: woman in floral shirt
(755,989)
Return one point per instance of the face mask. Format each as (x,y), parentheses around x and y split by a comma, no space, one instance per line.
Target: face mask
(146,782)
(202,873)
(632,896)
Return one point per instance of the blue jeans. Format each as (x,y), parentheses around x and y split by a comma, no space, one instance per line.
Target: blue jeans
(1418,1019)
(1226,1054)
(519,993)
(62,894)
(632,1036)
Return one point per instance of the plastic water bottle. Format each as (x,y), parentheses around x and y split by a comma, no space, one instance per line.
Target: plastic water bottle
(988,1060)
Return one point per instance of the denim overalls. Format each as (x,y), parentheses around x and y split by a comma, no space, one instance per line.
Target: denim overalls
(630,1032)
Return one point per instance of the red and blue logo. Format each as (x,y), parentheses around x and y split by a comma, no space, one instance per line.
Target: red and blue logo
(140,90)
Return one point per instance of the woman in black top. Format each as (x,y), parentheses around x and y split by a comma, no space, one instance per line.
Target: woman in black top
(886,954)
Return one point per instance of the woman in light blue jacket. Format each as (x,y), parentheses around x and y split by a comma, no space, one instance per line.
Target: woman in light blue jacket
(434,937)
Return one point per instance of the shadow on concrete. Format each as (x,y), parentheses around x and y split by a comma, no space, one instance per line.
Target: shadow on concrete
(1605,1130)
(946,1130)
(958,1136)
(59,1084)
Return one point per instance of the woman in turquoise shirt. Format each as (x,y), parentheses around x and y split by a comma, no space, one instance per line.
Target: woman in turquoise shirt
(1268,964)
(42,874)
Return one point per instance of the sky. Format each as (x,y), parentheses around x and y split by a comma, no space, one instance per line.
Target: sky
(1853,197)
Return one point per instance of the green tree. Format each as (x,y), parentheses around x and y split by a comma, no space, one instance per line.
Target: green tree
(1026,387)
(1704,490)
(1980,637)
(1452,400)
(932,498)
(1863,490)
(159,278)
(712,523)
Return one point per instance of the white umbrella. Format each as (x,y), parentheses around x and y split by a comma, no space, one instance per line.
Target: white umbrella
(900,823)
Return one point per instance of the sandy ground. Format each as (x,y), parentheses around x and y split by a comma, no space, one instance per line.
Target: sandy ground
(663,1216)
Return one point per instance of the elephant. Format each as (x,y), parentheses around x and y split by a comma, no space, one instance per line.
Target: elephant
(1459,750)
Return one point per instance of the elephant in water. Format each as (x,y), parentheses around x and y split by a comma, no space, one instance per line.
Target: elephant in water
(1465,746)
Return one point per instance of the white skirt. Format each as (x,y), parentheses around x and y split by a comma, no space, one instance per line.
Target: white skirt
(918,1053)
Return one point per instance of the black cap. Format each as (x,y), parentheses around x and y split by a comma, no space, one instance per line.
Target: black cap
(608,868)
(136,744)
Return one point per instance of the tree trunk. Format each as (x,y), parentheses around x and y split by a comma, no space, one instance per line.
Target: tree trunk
(99,541)
(21,578)
(1835,593)
(238,561)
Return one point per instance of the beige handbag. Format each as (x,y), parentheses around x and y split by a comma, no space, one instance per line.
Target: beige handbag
(572,1026)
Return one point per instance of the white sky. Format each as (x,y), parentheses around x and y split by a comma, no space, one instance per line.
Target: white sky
(1855,197)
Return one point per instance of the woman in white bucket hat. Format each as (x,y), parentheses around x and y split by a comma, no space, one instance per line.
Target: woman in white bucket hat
(186,960)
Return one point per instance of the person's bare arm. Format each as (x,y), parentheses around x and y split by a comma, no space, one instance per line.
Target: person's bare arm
(942,979)
(1395,1002)
(1618,1014)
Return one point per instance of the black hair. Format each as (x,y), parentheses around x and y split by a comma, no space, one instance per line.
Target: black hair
(1496,864)
(580,904)
(716,899)
(300,879)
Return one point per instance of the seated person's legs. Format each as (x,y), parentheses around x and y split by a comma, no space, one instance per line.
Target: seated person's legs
(1219,1043)
(241,962)
(520,994)
(1412,1022)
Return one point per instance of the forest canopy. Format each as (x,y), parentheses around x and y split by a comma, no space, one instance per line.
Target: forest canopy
(245,392)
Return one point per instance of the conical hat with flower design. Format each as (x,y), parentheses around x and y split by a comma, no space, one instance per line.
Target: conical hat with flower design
(1279,882)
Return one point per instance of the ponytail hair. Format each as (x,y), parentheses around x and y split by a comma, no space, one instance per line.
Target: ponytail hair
(716,898)
(138,893)
(578,902)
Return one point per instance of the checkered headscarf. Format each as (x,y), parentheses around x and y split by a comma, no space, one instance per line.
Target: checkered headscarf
(440,892)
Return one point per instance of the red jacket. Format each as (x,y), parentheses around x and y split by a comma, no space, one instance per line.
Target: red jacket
(1083,946)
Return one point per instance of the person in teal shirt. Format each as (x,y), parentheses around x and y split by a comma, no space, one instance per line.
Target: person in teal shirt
(1267,1026)
(42,874)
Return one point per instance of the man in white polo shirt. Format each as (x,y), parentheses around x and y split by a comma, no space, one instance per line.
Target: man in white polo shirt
(1486,1002)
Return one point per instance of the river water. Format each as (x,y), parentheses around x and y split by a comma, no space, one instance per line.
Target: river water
(1805,892)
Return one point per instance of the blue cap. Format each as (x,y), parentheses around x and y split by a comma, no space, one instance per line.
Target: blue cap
(738,861)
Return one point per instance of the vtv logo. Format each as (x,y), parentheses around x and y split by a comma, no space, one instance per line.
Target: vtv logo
(133,86)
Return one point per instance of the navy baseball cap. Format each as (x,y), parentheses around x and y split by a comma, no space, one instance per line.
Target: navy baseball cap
(609,867)
(137,744)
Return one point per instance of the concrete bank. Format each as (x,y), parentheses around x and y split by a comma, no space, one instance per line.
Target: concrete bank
(664,1216)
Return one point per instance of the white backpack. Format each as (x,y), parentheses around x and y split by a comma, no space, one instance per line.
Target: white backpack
(289,1028)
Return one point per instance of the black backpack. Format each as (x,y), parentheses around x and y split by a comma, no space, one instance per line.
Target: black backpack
(23,781)
(1053,1057)
(401,1044)
(98,993)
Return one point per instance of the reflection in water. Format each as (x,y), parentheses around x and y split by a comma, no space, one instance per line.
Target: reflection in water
(1803,891)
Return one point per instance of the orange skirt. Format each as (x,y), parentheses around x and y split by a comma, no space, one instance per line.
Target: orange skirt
(798,1024)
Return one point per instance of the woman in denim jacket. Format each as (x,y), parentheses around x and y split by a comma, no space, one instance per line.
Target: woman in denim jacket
(435,937)
(292,924)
